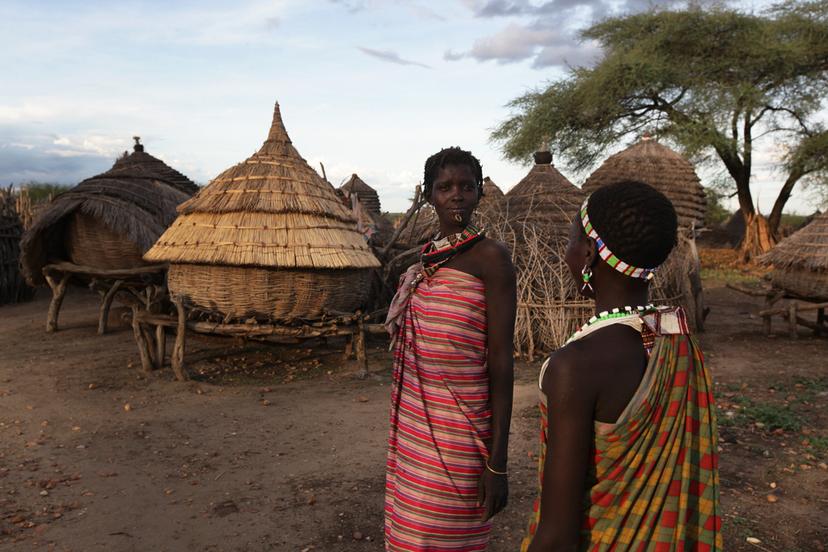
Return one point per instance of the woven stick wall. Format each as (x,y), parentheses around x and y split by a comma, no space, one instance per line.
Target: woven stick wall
(800,261)
(13,288)
(663,169)
(107,221)
(267,239)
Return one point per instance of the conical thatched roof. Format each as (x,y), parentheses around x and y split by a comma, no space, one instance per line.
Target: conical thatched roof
(544,198)
(109,220)
(806,248)
(800,261)
(272,211)
(368,196)
(663,169)
(492,196)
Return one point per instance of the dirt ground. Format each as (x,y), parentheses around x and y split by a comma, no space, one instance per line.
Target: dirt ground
(282,448)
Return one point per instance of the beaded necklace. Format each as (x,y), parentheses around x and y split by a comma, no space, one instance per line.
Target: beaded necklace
(438,252)
(618,312)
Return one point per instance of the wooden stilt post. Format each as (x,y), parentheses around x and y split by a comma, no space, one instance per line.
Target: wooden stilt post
(161,346)
(143,347)
(362,358)
(349,347)
(820,322)
(58,292)
(792,320)
(106,303)
(177,357)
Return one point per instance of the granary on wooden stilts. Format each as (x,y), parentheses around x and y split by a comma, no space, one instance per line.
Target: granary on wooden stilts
(678,280)
(99,230)
(13,287)
(267,239)
(800,261)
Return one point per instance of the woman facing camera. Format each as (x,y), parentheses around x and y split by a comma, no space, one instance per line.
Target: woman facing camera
(452,322)
(629,450)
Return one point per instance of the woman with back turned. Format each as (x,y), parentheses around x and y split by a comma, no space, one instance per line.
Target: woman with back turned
(629,451)
(451,400)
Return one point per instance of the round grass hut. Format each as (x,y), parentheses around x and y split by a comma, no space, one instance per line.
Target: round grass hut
(544,199)
(366,195)
(108,221)
(662,168)
(800,261)
(267,239)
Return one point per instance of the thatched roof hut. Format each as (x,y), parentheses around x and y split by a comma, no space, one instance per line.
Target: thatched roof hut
(663,169)
(267,239)
(544,199)
(800,261)
(492,197)
(13,288)
(367,196)
(107,221)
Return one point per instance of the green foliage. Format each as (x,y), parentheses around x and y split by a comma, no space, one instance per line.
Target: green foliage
(711,81)
(716,212)
(41,191)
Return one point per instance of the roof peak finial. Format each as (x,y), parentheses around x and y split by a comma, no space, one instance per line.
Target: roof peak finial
(543,156)
(277,133)
(646,137)
(138,145)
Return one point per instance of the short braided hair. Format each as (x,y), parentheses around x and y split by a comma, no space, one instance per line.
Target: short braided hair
(636,222)
(451,156)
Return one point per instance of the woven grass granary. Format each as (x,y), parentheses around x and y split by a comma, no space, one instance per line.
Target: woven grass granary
(662,168)
(267,239)
(800,261)
(544,199)
(367,196)
(108,221)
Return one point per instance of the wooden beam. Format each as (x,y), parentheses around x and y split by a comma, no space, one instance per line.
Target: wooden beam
(58,293)
(106,303)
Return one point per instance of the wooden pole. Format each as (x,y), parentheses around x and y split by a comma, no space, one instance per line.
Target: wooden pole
(58,293)
(820,321)
(362,358)
(177,359)
(143,346)
(161,346)
(792,329)
(106,303)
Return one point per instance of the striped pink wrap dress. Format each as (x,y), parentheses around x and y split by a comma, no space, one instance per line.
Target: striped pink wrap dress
(440,419)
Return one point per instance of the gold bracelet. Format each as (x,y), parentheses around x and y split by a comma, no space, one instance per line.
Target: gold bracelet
(488,467)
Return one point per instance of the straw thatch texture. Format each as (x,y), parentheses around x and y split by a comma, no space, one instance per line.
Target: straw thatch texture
(800,261)
(106,221)
(544,200)
(366,194)
(663,169)
(139,161)
(13,288)
(266,239)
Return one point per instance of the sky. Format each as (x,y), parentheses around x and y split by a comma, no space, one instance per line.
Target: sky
(371,87)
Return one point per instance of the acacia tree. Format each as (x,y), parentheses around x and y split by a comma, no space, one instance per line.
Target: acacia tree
(713,81)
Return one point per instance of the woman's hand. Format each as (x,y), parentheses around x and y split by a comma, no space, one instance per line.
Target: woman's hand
(492,493)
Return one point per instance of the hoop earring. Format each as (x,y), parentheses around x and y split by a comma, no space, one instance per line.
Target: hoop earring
(586,276)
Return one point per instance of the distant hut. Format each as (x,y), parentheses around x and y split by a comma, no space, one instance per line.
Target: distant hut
(267,239)
(678,279)
(107,221)
(13,288)
(663,169)
(491,201)
(544,200)
(800,261)
(367,196)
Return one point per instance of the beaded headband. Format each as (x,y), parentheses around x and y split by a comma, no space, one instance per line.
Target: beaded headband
(608,256)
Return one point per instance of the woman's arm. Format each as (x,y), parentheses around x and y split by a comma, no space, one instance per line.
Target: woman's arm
(498,274)
(571,402)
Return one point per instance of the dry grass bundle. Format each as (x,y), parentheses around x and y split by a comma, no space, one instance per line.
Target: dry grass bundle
(268,239)
(800,261)
(663,169)
(13,288)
